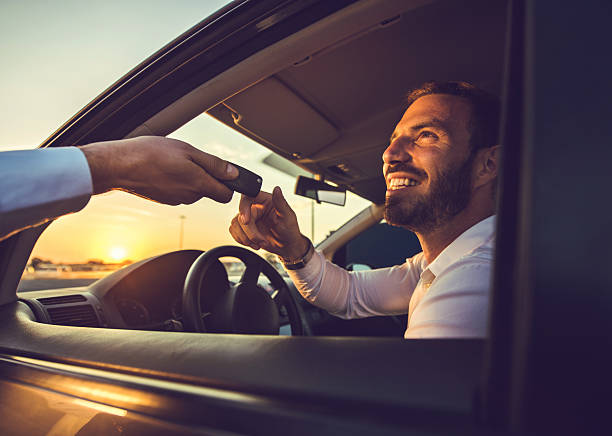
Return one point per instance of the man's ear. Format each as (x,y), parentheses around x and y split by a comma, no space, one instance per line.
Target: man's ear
(486,165)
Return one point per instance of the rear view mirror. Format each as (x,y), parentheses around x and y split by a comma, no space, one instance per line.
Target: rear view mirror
(320,191)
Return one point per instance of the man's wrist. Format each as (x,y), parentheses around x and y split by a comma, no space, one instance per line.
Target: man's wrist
(295,250)
(99,166)
(297,262)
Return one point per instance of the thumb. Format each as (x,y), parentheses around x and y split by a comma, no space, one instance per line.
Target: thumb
(280,204)
(216,167)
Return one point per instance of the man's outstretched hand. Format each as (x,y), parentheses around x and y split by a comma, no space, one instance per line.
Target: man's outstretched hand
(267,221)
(161,169)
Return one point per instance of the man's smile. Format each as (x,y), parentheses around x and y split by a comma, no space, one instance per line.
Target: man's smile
(397,183)
(402,176)
(401,180)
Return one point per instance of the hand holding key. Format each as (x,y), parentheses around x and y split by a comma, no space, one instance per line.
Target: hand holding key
(165,170)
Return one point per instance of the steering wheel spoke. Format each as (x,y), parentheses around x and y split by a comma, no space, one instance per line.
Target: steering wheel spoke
(251,273)
(244,307)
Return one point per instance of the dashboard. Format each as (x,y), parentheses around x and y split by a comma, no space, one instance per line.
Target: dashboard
(146,295)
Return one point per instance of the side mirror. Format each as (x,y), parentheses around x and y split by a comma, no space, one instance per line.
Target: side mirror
(320,191)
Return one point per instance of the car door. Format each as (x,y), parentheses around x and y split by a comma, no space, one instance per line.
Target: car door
(102,380)
(525,377)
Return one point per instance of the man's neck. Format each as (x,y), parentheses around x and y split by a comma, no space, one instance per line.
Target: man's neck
(434,242)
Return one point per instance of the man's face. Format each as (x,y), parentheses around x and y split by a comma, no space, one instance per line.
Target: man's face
(428,164)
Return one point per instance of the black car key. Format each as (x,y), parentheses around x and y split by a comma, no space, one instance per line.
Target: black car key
(247,182)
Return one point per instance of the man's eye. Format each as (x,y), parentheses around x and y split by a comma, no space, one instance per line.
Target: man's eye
(426,136)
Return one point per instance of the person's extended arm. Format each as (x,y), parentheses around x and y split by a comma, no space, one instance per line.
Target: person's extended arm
(268,222)
(43,184)
(357,294)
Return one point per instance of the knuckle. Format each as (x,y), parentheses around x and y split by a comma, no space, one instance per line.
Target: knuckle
(190,198)
(203,186)
(221,165)
(225,197)
(215,165)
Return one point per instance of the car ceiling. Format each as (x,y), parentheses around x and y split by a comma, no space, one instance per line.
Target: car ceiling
(332,112)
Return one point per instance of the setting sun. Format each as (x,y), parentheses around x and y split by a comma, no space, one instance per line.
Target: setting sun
(118,253)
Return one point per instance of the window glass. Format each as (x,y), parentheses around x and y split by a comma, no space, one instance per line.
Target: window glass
(379,246)
(116,229)
(59,55)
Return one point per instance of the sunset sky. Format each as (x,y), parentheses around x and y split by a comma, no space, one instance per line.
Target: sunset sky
(56,57)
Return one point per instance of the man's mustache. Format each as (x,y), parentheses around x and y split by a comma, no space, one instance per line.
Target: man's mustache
(405,168)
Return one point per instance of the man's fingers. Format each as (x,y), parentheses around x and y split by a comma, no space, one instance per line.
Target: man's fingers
(246,202)
(210,187)
(216,167)
(245,209)
(280,204)
(239,235)
(237,232)
(251,230)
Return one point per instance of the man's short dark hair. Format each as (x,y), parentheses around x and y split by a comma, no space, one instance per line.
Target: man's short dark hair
(486,107)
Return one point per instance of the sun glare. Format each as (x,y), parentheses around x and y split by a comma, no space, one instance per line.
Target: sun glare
(118,253)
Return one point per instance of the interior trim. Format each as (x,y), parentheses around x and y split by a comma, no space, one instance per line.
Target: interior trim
(327,32)
(342,371)
(14,254)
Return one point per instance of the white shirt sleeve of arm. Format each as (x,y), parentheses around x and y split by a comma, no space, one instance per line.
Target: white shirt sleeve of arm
(39,185)
(357,294)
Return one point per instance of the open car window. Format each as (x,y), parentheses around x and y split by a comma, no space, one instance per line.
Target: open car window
(117,229)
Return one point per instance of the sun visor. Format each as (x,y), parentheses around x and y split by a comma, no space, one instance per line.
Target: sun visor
(271,111)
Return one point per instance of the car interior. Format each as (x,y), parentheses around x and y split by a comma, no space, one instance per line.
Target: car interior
(320,84)
(326,99)
(328,105)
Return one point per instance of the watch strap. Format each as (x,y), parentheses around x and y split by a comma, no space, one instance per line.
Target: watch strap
(300,262)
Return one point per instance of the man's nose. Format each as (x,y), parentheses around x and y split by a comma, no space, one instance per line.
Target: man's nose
(396,152)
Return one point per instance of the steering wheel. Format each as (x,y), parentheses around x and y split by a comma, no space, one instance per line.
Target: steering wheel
(244,307)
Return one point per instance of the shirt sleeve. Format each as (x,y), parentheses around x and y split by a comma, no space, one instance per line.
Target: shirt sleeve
(456,305)
(358,294)
(39,185)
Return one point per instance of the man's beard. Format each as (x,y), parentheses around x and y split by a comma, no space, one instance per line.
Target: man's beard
(423,213)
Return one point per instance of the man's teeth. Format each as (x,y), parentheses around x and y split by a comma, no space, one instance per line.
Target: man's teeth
(398,183)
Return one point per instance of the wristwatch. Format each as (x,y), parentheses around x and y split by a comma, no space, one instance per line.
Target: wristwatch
(300,262)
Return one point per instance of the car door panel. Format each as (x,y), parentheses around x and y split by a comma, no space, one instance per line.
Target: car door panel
(306,382)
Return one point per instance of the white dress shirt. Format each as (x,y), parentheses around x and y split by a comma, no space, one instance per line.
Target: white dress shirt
(447,298)
(39,185)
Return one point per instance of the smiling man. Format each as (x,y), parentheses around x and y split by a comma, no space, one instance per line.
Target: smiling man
(441,170)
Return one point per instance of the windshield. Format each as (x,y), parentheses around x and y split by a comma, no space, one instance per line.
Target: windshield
(116,229)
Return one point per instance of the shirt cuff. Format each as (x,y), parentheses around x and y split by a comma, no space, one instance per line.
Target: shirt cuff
(310,271)
(42,184)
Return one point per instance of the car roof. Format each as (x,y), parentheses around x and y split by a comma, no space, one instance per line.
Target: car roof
(332,111)
(325,97)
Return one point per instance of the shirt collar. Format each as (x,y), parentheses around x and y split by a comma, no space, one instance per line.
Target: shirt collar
(468,241)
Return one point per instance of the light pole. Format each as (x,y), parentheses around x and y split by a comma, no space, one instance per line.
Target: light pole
(182,218)
(312,219)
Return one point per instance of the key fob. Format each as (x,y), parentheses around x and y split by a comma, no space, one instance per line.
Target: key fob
(247,182)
